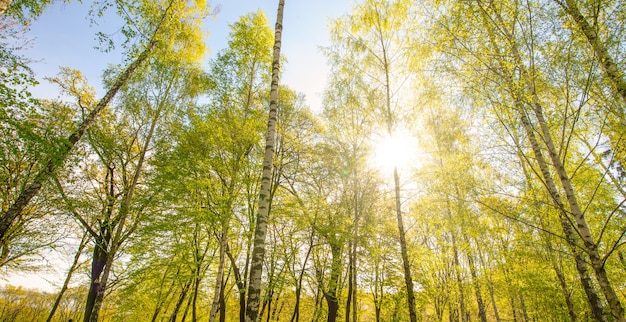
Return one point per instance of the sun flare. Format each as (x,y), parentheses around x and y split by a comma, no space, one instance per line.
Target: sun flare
(398,150)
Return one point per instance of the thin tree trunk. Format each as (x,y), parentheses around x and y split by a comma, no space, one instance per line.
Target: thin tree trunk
(188,304)
(162,299)
(489,285)
(482,313)
(194,303)
(241,285)
(511,295)
(459,280)
(353,262)
(219,281)
(584,232)
(350,285)
(68,277)
(378,292)
(523,308)
(406,265)
(318,299)
(566,293)
(331,295)
(295,317)
(355,313)
(181,300)
(258,252)
(222,305)
(457,265)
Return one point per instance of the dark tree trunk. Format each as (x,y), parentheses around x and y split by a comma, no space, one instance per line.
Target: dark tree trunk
(333,284)
(97,268)
(181,300)
(350,285)
(295,317)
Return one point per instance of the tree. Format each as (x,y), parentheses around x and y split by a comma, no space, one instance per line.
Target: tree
(152,23)
(112,211)
(537,105)
(22,10)
(376,34)
(258,252)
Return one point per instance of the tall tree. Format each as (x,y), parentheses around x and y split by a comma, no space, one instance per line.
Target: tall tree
(258,252)
(377,35)
(112,210)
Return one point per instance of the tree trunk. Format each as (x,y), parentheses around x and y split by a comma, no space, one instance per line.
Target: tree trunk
(99,259)
(162,299)
(350,284)
(187,305)
(194,302)
(582,229)
(523,308)
(406,265)
(378,292)
(331,295)
(612,71)
(520,97)
(457,271)
(241,285)
(64,151)
(319,298)
(581,223)
(333,307)
(68,277)
(295,317)
(594,301)
(258,252)
(101,269)
(566,293)
(181,300)
(482,313)
(352,291)
(219,281)
(355,313)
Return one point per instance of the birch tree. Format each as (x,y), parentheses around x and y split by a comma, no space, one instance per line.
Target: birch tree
(260,230)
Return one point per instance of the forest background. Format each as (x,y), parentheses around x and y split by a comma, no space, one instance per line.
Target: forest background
(461,160)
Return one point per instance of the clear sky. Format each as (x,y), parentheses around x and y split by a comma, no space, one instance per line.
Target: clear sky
(63,37)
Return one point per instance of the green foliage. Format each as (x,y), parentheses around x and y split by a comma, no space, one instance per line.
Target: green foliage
(25,10)
(481,228)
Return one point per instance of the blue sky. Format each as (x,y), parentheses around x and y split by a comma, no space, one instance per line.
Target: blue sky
(63,37)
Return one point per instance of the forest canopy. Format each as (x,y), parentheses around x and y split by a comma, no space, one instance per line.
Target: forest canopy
(465,163)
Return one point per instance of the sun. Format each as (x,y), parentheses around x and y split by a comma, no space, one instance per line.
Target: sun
(397,150)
